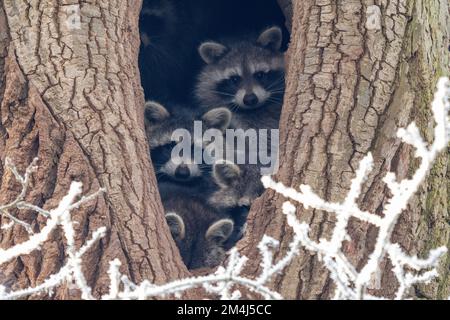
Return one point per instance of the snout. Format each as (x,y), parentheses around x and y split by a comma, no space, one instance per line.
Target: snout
(182,172)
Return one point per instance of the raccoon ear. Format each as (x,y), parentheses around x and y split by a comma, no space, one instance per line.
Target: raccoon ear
(176,225)
(271,38)
(212,52)
(155,111)
(145,39)
(220,231)
(218,118)
(226,172)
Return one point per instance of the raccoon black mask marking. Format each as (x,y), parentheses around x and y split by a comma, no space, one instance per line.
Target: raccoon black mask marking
(160,125)
(241,74)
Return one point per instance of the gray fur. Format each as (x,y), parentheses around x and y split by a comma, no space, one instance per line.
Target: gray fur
(211,52)
(220,231)
(225,173)
(176,226)
(238,187)
(155,112)
(206,229)
(160,124)
(244,58)
(219,118)
(271,39)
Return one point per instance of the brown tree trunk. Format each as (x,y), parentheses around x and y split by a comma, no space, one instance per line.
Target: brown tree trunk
(349,89)
(72,97)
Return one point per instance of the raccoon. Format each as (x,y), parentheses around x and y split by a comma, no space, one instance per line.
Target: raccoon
(199,231)
(238,187)
(160,123)
(167,52)
(246,76)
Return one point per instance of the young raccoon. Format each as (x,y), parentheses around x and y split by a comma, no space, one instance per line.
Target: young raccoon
(160,124)
(199,231)
(167,49)
(247,77)
(238,187)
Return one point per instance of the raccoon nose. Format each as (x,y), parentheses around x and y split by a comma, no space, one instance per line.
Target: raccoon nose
(182,172)
(251,100)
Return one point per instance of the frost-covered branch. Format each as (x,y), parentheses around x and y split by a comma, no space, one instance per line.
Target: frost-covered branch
(59,216)
(351,284)
(19,201)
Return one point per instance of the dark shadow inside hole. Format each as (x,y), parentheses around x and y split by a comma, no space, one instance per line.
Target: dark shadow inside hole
(172,30)
(169,61)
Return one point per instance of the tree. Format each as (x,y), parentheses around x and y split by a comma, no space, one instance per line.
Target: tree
(70,94)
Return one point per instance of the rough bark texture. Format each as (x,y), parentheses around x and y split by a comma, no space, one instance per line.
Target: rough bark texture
(72,97)
(348,91)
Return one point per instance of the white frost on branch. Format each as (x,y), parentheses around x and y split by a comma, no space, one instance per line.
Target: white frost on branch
(222,283)
(227,281)
(353,284)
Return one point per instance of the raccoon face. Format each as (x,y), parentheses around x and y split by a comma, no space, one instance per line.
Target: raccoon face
(238,187)
(243,76)
(160,125)
(200,249)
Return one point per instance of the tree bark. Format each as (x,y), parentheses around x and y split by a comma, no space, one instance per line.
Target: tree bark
(349,89)
(72,97)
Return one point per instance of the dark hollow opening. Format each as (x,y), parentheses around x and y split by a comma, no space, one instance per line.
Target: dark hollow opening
(206,205)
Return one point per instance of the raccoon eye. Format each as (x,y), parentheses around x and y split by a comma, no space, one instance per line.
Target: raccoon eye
(235,79)
(260,75)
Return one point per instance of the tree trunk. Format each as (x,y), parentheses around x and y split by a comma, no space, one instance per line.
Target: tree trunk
(70,94)
(349,89)
(72,97)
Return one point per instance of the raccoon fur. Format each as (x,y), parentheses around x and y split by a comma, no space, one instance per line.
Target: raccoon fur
(167,52)
(238,187)
(247,76)
(199,231)
(161,122)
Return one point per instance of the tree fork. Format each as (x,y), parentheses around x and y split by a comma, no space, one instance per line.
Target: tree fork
(71,95)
